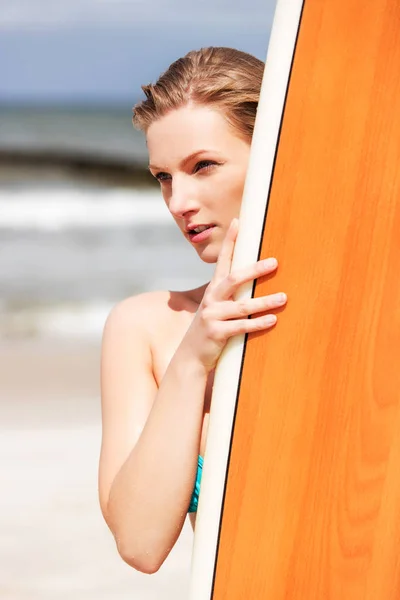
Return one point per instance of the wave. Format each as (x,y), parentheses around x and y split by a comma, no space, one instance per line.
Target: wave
(57,209)
(83,321)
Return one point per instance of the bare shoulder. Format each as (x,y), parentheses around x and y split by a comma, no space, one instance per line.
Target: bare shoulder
(137,310)
(146,312)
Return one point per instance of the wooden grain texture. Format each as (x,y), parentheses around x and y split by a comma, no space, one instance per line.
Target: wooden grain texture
(312,505)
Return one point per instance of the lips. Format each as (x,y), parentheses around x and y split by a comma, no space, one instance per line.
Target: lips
(198,228)
(199,233)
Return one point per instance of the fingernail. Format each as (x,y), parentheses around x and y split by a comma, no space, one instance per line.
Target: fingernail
(270,319)
(270,262)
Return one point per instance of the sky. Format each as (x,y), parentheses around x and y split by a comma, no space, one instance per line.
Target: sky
(101,51)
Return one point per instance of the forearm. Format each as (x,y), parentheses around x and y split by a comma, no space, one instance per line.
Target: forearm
(150,495)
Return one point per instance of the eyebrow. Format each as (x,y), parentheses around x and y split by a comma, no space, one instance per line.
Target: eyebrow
(184,162)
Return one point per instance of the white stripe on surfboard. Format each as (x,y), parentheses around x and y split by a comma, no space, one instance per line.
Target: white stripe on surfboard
(265,139)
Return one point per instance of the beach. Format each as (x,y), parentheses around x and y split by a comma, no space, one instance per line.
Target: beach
(75,238)
(54,542)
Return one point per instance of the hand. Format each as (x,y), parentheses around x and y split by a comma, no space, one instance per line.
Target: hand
(219,316)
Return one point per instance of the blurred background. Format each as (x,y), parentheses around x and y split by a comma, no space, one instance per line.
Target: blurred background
(82,226)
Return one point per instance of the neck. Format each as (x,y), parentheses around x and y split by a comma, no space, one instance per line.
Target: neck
(197,294)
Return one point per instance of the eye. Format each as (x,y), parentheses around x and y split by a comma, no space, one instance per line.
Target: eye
(162,176)
(204,165)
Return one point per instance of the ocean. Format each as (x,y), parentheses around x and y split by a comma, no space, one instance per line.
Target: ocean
(71,246)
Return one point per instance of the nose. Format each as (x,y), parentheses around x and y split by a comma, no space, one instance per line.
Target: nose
(183,199)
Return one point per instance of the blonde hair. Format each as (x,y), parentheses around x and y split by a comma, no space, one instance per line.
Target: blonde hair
(227,79)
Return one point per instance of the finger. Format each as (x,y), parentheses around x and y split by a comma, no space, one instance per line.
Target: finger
(230,284)
(244,308)
(241,326)
(224,262)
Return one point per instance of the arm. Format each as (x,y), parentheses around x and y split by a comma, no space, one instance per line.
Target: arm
(151,437)
(150,441)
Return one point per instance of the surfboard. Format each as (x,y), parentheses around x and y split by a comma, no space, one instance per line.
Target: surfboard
(300,496)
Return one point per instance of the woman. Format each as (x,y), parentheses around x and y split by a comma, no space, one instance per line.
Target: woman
(160,349)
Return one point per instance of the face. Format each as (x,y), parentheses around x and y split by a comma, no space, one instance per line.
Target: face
(201,165)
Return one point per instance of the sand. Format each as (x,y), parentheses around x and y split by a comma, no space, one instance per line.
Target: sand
(54,542)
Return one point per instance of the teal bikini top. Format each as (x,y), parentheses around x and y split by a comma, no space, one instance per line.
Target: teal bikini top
(196,491)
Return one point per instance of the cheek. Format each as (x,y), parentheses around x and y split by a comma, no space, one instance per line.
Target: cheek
(227,198)
(240,185)
(166,194)
(233,189)
(230,181)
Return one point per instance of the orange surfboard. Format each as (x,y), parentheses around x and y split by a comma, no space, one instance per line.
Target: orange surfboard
(300,497)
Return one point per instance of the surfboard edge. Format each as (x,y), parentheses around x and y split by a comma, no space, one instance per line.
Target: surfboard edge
(275,83)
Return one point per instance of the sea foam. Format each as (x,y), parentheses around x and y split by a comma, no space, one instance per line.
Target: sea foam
(57,209)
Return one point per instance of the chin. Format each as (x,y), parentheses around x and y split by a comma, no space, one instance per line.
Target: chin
(208,254)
